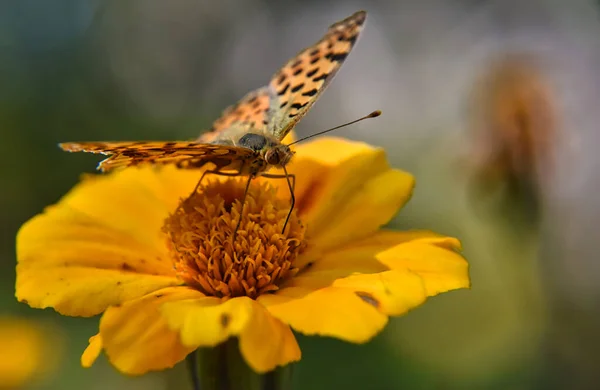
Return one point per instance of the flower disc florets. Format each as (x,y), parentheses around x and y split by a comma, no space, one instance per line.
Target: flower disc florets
(257,259)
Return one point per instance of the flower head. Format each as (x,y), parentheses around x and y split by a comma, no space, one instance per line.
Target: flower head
(169,277)
(514,132)
(24,343)
(207,257)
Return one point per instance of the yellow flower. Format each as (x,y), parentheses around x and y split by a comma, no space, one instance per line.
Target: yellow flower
(169,278)
(24,346)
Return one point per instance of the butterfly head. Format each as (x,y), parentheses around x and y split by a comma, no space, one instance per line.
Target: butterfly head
(278,155)
(272,152)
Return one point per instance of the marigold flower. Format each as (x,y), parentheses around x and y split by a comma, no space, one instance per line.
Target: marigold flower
(168,277)
(24,345)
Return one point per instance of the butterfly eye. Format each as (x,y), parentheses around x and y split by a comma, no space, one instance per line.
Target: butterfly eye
(272,157)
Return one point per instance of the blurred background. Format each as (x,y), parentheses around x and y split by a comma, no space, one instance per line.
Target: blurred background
(491,104)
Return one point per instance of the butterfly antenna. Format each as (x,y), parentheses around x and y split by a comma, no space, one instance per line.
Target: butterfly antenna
(374,114)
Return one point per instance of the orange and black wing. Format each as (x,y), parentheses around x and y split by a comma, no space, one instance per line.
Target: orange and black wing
(279,106)
(181,154)
(300,82)
(250,113)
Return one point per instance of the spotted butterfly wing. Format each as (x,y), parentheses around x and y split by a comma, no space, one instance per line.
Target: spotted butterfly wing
(301,81)
(278,107)
(182,154)
(249,112)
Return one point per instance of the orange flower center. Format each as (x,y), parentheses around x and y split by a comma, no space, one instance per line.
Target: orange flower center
(258,260)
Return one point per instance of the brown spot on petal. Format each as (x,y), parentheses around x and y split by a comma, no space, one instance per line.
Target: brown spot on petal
(368,298)
(225,320)
(127,267)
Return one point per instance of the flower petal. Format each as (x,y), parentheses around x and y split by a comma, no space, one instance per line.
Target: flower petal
(102,244)
(79,268)
(331,311)
(345,183)
(349,292)
(392,293)
(385,238)
(265,342)
(136,337)
(371,206)
(359,256)
(133,202)
(323,270)
(440,268)
(92,351)
(428,259)
(207,321)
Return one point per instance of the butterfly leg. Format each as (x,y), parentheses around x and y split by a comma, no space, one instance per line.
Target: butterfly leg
(227,174)
(291,182)
(219,173)
(250,177)
(272,176)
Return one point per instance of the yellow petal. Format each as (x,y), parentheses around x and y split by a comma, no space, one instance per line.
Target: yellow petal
(331,311)
(83,291)
(349,292)
(78,267)
(441,269)
(434,258)
(370,207)
(320,269)
(133,201)
(135,335)
(102,244)
(265,342)
(338,263)
(385,238)
(345,183)
(392,293)
(92,351)
(208,321)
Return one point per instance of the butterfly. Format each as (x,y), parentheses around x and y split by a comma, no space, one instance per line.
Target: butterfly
(247,139)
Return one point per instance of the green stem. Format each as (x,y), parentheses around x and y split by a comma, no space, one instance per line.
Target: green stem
(224,368)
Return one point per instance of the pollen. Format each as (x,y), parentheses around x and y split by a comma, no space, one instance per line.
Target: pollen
(256,260)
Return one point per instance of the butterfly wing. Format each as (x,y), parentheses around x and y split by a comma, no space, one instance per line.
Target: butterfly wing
(250,113)
(278,107)
(302,80)
(274,109)
(182,154)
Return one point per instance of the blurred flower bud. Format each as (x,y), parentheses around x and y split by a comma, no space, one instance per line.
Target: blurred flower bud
(513,130)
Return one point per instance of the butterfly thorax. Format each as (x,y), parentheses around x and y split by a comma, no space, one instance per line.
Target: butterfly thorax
(268,152)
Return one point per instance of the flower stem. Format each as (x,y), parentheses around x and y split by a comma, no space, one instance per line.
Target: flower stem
(224,368)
